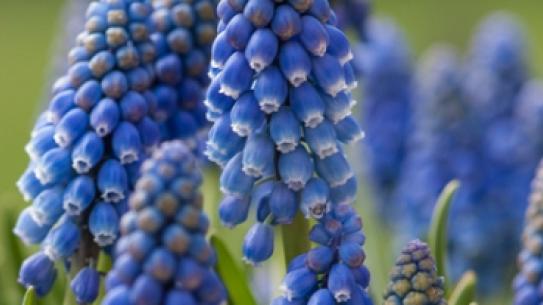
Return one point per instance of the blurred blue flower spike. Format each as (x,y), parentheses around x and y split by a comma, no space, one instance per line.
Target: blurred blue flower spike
(388,92)
(281,113)
(163,256)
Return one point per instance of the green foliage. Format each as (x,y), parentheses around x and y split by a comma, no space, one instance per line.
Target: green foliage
(465,290)
(232,275)
(437,236)
(294,237)
(30,297)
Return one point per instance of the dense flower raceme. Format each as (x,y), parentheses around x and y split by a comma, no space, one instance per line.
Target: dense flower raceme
(280,103)
(334,271)
(183,32)
(477,125)
(86,147)
(386,62)
(163,256)
(414,279)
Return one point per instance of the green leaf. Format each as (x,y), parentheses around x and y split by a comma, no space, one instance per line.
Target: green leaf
(465,290)
(232,275)
(294,237)
(437,236)
(30,297)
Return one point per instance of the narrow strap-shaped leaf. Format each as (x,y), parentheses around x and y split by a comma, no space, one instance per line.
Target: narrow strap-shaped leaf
(232,275)
(295,238)
(30,297)
(437,238)
(465,290)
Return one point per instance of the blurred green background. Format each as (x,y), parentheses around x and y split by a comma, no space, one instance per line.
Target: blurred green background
(28,35)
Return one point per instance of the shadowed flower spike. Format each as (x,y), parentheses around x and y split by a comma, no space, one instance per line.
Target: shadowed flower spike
(386,64)
(414,279)
(281,112)
(99,126)
(334,271)
(167,259)
(528,281)
(183,32)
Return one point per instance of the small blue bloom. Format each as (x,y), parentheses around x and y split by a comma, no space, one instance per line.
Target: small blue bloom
(126,143)
(29,185)
(286,22)
(28,230)
(329,74)
(299,284)
(246,116)
(294,62)
(322,139)
(334,169)
(339,45)
(61,103)
(112,181)
(259,12)
(238,31)
(41,142)
(87,153)
(258,243)
(105,117)
(259,156)
(47,206)
(307,105)
(282,202)
(114,84)
(62,240)
(161,264)
(233,210)
(314,36)
(103,223)
(320,259)
(348,131)
(237,76)
(88,95)
(295,168)
(261,49)
(285,130)
(314,199)
(146,291)
(341,282)
(85,285)
(54,166)
(233,180)
(270,89)
(322,297)
(38,271)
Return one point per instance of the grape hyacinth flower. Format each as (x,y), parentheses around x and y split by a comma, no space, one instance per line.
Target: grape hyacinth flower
(386,62)
(280,103)
(332,272)
(414,279)
(86,148)
(163,256)
(183,32)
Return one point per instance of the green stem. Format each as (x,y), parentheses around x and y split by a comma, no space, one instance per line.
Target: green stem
(295,241)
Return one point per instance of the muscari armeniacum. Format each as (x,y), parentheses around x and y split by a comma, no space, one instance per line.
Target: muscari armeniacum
(86,147)
(163,256)
(183,32)
(414,279)
(387,89)
(280,103)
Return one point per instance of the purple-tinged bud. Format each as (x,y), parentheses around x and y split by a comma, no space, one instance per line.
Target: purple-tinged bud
(320,10)
(320,259)
(85,285)
(105,117)
(261,49)
(47,206)
(146,291)
(38,271)
(294,62)
(329,74)
(161,265)
(286,22)
(314,36)
(114,84)
(88,95)
(297,262)
(176,239)
(270,89)
(319,235)
(28,230)
(352,254)
(285,130)
(72,126)
(87,153)
(299,284)
(283,205)
(118,296)
(238,32)
(103,223)
(314,198)
(258,244)
(112,181)
(259,12)
(233,211)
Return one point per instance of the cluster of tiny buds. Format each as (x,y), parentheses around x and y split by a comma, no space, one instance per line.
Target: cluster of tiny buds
(183,32)
(280,104)
(414,279)
(163,256)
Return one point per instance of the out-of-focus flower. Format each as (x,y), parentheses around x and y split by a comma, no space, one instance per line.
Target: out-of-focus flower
(414,279)
(352,15)
(334,271)
(386,109)
(281,112)
(163,256)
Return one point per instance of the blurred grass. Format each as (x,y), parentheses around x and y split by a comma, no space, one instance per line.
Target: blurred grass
(28,30)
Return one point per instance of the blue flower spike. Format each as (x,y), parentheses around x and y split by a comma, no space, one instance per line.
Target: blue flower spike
(167,258)
(281,113)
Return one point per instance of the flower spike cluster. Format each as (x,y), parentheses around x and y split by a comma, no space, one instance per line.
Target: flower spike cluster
(334,271)
(183,32)
(163,256)
(414,279)
(280,103)
(388,89)
(86,148)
